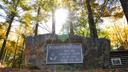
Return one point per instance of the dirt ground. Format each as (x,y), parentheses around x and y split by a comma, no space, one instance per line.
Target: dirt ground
(92,70)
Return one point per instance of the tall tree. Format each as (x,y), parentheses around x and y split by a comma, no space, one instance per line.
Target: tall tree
(92,25)
(9,20)
(43,8)
(124,4)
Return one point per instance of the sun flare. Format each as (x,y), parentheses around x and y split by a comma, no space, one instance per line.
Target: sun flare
(61,17)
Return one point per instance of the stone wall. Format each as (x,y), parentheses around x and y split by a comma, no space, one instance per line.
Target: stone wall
(95,51)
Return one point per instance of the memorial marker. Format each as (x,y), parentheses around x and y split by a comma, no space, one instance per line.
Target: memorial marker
(64,53)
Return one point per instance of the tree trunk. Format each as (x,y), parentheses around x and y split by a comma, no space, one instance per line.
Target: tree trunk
(14,56)
(36,28)
(6,36)
(124,4)
(71,29)
(92,26)
(9,21)
(71,24)
(53,21)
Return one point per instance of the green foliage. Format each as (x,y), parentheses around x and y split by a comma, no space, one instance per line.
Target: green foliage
(102,33)
(47,5)
(26,19)
(24,5)
(63,37)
